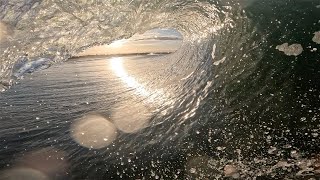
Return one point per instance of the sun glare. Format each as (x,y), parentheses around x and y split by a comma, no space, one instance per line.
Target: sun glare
(117,67)
(157,97)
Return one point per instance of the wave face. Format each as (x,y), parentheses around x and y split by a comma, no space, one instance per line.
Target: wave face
(244,108)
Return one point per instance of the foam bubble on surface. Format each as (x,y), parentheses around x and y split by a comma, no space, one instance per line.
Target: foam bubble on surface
(316,37)
(292,50)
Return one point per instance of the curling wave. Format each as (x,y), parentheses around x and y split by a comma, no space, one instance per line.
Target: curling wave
(234,101)
(55,30)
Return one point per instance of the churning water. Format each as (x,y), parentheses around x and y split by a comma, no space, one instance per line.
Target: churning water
(239,99)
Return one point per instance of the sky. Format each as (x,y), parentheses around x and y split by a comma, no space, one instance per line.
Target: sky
(152,41)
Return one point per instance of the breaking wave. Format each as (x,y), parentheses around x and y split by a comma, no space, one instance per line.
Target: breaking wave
(249,105)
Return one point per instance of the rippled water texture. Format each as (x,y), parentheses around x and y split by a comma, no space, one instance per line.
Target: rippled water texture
(238,99)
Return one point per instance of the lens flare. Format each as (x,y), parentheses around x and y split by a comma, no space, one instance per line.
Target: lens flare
(23,173)
(43,164)
(93,131)
(131,117)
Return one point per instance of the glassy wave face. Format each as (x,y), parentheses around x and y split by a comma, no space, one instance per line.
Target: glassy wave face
(238,99)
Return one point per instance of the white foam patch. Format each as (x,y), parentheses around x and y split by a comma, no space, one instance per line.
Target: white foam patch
(292,50)
(316,37)
(93,131)
(214,51)
(216,63)
(231,171)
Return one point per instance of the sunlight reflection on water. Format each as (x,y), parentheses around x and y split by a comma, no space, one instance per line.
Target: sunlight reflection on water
(119,70)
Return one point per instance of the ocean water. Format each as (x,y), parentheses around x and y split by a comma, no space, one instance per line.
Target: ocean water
(239,99)
(39,112)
